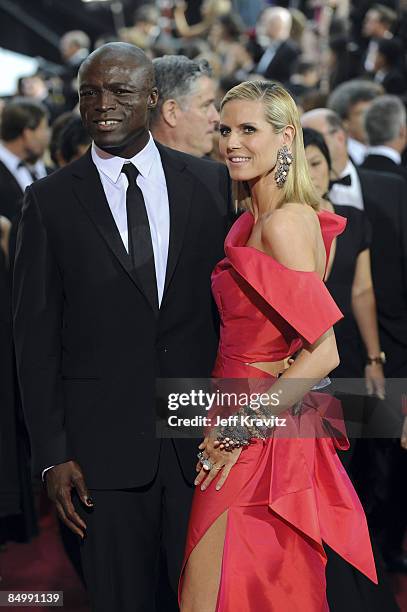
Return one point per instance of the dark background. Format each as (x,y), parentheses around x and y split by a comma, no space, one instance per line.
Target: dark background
(34,27)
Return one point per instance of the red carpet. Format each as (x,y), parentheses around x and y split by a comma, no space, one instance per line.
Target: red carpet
(42,565)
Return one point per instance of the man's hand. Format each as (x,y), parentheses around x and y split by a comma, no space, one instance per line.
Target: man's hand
(60,480)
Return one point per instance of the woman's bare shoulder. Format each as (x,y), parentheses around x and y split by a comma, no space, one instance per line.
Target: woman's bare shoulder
(286,236)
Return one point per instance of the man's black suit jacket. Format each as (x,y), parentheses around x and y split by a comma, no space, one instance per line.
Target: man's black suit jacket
(385,201)
(283,63)
(89,343)
(11,194)
(382,163)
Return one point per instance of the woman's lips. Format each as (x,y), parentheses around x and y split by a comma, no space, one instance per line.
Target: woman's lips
(238,160)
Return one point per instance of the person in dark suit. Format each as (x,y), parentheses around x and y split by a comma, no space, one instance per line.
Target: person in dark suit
(24,137)
(389,66)
(350,101)
(385,126)
(189,127)
(280,52)
(111,290)
(74,47)
(18,519)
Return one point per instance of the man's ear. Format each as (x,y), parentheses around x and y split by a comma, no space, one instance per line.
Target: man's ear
(342,135)
(345,124)
(170,111)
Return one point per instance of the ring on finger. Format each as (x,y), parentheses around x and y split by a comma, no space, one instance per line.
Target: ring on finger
(207,465)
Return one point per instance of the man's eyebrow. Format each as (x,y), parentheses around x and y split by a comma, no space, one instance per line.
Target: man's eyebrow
(122,84)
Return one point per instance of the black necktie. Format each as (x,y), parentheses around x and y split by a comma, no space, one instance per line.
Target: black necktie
(345,180)
(32,172)
(139,235)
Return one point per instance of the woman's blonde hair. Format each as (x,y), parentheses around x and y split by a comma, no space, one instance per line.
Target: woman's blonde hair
(280,110)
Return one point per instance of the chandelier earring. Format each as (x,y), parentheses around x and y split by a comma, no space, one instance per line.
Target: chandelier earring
(284,161)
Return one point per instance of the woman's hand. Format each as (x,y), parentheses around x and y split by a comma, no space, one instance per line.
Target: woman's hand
(375,381)
(403,440)
(222,461)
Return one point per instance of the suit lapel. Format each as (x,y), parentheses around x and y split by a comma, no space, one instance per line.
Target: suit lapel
(10,176)
(180,186)
(89,190)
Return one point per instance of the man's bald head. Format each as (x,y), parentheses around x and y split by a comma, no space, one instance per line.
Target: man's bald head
(121,53)
(329,124)
(276,23)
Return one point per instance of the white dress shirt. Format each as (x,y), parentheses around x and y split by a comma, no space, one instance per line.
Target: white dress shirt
(20,173)
(386,152)
(39,169)
(268,56)
(348,195)
(151,181)
(357,150)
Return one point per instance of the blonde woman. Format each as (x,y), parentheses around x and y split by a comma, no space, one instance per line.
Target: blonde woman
(267,498)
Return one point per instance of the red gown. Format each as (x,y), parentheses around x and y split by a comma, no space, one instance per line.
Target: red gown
(285,496)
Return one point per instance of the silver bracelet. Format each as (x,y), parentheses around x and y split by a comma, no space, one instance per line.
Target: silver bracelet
(238,436)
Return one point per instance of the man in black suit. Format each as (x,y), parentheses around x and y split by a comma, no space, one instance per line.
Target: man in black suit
(111,290)
(385,125)
(25,136)
(185,117)
(74,47)
(280,53)
(390,66)
(350,101)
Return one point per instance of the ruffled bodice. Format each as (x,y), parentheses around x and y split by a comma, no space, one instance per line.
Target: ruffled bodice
(267,310)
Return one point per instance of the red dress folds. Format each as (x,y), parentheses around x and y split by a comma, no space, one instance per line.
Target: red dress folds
(285,496)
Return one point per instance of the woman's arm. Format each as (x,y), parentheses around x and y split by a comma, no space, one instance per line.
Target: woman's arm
(364,311)
(184,29)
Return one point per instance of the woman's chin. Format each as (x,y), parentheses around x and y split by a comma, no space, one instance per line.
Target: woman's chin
(240,174)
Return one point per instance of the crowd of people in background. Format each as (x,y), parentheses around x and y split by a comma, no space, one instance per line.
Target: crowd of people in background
(344,63)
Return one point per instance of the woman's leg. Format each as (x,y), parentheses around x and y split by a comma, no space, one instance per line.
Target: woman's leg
(203,570)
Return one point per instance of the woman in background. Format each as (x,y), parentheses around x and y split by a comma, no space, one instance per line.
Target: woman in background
(349,277)
(349,281)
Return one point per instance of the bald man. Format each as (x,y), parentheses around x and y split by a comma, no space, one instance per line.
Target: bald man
(112,289)
(280,53)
